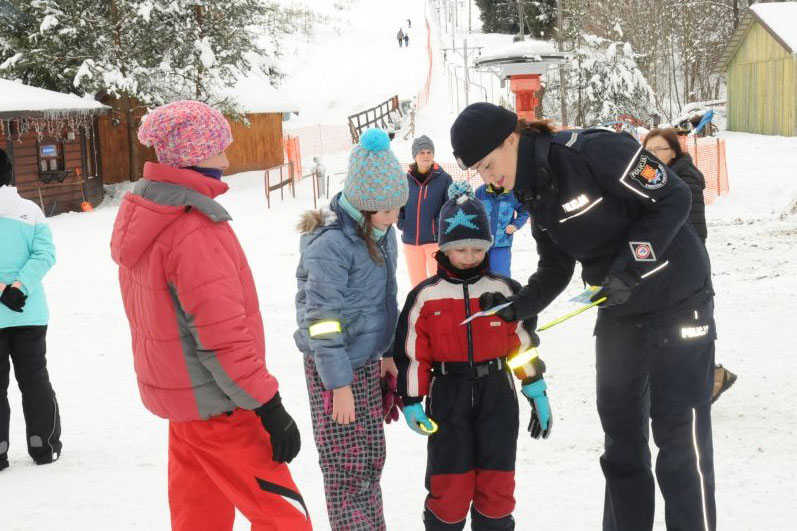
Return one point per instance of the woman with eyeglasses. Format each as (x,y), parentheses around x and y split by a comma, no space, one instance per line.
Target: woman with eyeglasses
(664,145)
(598,198)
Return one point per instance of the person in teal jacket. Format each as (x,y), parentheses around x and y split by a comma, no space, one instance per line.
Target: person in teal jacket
(27,254)
(506,215)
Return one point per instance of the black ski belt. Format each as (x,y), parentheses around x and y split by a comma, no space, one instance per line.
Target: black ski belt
(463,369)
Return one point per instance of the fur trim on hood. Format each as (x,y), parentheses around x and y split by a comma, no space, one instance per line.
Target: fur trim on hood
(314,219)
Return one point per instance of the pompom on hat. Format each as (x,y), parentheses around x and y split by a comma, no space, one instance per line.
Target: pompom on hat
(375,180)
(185,132)
(463,220)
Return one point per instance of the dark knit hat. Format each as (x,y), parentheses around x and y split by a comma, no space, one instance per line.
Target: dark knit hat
(5,169)
(463,220)
(375,180)
(480,128)
(421,143)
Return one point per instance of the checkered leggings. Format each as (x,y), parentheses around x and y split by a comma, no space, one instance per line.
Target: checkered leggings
(351,456)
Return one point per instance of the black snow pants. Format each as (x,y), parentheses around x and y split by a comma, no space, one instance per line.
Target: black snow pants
(471,458)
(658,374)
(26,347)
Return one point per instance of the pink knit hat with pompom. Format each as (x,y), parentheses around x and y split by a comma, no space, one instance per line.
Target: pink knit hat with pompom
(185,132)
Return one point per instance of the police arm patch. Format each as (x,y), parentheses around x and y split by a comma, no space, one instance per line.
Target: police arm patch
(642,251)
(649,173)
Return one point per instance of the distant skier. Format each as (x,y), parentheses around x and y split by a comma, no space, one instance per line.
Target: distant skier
(197,333)
(406,40)
(400,37)
(26,254)
(409,23)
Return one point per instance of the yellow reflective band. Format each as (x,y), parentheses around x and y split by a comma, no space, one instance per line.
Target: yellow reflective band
(521,358)
(324,327)
(426,430)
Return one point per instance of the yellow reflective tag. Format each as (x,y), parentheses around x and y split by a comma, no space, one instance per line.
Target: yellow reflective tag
(426,430)
(521,358)
(324,327)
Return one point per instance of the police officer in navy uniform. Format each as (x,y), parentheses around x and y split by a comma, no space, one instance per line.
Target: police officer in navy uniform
(597,197)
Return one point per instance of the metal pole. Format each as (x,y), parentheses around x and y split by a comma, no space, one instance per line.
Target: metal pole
(470,17)
(562,78)
(467,80)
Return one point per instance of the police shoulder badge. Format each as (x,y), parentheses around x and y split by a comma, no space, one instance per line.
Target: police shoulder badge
(649,173)
(643,251)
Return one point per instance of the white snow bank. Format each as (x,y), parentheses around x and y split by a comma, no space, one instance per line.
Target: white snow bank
(17,97)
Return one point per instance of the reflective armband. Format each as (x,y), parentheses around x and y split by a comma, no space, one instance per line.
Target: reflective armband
(324,327)
(526,364)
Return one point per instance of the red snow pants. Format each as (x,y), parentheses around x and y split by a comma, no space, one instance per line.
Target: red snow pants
(226,462)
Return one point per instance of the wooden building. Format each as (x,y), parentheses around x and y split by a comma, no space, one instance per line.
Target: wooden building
(761,64)
(257,141)
(51,139)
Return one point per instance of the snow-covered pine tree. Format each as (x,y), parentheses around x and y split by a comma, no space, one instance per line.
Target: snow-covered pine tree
(143,52)
(603,82)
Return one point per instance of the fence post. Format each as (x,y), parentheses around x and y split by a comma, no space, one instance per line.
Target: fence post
(268,192)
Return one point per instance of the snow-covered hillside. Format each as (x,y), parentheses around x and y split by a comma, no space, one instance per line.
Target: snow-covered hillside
(112,474)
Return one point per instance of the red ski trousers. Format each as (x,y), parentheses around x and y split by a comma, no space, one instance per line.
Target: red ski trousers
(226,462)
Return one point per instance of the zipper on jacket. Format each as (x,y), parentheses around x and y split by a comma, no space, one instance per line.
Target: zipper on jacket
(418,218)
(470,331)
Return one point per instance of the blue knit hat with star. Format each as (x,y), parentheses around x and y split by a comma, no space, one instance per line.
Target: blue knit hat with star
(463,220)
(375,180)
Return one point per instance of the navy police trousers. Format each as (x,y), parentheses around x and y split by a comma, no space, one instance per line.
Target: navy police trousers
(657,374)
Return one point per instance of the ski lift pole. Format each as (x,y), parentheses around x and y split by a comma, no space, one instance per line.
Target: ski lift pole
(569,315)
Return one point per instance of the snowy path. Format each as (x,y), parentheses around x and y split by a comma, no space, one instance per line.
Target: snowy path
(113,471)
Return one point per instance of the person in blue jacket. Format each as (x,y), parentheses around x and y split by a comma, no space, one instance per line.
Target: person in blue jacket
(27,254)
(598,198)
(418,219)
(347,310)
(506,216)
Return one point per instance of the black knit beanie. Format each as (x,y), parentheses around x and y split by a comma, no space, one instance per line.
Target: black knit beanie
(479,129)
(5,169)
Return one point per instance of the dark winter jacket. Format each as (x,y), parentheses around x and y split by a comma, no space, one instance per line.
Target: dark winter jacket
(429,331)
(599,198)
(418,219)
(339,284)
(686,170)
(502,210)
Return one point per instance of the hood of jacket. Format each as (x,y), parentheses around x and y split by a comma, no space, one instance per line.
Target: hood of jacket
(164,195)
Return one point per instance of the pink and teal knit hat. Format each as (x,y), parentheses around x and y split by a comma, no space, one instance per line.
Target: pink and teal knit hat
(185,132)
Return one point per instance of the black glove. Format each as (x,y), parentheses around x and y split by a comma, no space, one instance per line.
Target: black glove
(285,438)
(13,298)
(617,287)
(489,300)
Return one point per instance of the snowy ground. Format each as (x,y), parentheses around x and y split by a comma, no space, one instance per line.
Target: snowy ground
(112,474)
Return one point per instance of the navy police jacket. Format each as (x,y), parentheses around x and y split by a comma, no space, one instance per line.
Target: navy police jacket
(597,197)
(418,219)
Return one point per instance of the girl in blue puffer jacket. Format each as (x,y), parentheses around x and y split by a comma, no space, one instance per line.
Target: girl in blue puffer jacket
(347,310)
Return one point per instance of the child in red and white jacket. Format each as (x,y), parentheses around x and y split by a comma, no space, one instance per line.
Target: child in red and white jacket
(471,413)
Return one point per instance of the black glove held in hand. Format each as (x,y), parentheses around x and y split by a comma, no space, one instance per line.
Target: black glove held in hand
(490,300)
(617,287)
(13,298)
(285,438)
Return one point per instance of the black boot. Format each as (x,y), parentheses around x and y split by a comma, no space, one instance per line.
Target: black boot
(479,522)
(432,523)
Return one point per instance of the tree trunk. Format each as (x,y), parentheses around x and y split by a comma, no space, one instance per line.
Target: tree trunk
(132,138)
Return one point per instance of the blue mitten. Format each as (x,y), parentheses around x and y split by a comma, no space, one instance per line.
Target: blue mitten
(541,421)
(417,420)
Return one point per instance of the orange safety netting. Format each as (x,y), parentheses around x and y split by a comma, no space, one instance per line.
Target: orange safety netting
(708,154)
(293,153)
(423,94)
